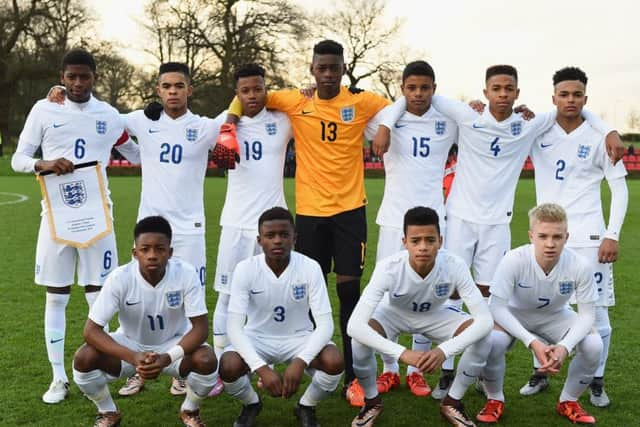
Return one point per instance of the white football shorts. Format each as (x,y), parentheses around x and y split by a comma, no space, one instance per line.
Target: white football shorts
(235,245)
(603,276)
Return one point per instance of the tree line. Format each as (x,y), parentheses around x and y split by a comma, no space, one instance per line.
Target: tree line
(212,37)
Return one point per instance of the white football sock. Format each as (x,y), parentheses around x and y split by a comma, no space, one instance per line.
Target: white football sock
(322,384)
(420,343)
(470,366)
(198,386)
(493,372)
(54,332)
(220,340)
(389,364)
(94,385)
(242,390)
(603,326)
(582,367)
(364,366)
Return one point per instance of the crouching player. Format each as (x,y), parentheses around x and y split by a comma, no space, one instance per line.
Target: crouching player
(529,301)
(163,327)
(274,292)
(419,281)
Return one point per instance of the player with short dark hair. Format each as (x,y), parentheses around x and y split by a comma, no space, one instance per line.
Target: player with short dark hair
(408,293)
(530,292)
(570,162)
(163,327)
(274,293)
(330,196)
(82,130)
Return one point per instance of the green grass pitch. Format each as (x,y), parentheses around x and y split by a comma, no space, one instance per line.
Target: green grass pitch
(26,372)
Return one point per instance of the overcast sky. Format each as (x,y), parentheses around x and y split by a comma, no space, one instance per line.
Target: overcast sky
(461,38)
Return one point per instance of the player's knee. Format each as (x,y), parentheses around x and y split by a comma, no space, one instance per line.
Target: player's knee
(220,340)
(332,361)
(591,348)
(204,360)
(232,366)
(86,358)
(499,343)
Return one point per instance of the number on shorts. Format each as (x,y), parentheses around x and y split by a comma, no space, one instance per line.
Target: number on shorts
(278,313)
(598,276)
(106,261)
(425,306)
(152,323)
(545,302)
(203,275)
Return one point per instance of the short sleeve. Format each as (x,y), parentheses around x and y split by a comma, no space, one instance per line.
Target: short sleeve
(371,103)
(318,295)
(108,302)
(194,303)
(129,122)
(284,100)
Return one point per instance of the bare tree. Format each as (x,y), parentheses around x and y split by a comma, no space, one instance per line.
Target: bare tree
(633,120)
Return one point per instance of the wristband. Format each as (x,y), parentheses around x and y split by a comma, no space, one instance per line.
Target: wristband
(175,352)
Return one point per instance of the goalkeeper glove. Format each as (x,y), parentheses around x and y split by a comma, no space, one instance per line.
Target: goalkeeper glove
(153,110)
(227,151)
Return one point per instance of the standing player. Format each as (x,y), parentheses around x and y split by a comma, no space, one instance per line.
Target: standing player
(570,163)
(408,293)
(84,129)
(420,143)
(163,327)
(254,186)
(274,292)
(330,198)
(529,301)
(492,149)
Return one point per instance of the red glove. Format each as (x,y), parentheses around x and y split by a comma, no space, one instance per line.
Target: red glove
(227,151)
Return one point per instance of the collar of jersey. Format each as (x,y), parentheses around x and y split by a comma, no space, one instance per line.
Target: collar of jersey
(160,284)
(80,106)
(538,270)
(257,118)
(488,118)
(166,118)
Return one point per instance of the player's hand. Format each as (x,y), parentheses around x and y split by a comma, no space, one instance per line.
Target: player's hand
(226,151)
(153,365)
(431,360)
(153,110)
(381,141)
(56,94)
(615,147)
(477,106)
(292,376)
(270,380)
(608,251)
(308,90)
(59,166)
(527,114)
(558,354)
(541,351)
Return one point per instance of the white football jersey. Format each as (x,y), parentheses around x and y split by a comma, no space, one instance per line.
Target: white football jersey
(79,132)
(256,184)
(569,169)
(150,315)
(521,281)
(414,165)
(412,297)
(174,154)
(279,306)
(490,158)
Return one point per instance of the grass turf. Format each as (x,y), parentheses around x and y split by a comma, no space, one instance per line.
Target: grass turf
(27,372)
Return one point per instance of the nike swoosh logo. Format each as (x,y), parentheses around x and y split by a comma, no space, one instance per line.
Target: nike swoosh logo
(56,126)
(475,126)
(582,382)
(55,341)
(256,292)
(154,130)
(132,303)
(105,274)
(306,112)
(520,285)
(398,295)
(364,422)
(545,146)
(397,126)
(463,422)
(467,375)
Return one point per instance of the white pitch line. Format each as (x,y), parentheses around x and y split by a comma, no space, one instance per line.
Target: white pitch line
(20,198)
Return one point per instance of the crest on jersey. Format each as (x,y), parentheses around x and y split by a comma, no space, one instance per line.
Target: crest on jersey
(192,135)
(442,289)
(565,287)
(516,128)
(224,279)
(583,151)
(74,193)
(441,127)
(271,128)
(101,127)
(299,291)
(174,299)
(347,113)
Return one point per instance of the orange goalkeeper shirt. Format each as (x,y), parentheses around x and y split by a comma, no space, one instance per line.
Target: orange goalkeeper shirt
(328,135)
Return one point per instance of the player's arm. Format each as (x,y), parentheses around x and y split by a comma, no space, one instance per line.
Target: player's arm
(386,118)
(129,149)
(317,340)
(482,320)
(615,147)
(608,251)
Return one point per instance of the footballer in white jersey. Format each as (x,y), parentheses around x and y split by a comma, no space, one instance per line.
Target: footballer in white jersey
(408,293)
(82,130)
(274,293)
(529,301)
(253,186)
(570,163)
(163,326)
